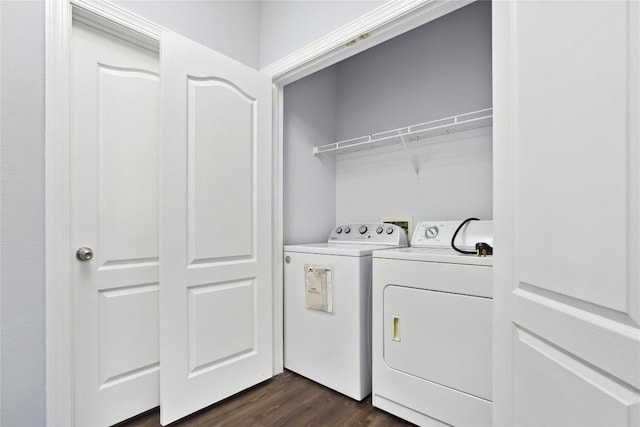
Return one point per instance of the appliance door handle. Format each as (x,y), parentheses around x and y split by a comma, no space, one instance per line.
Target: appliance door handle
(395,328)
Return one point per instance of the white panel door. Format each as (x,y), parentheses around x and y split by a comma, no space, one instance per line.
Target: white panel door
(215,300)
(114,211)
(567,223)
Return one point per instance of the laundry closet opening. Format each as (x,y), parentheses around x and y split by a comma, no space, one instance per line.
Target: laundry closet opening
(439,70)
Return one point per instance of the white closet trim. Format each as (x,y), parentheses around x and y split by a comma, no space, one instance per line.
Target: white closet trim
(387,21)
(381,24)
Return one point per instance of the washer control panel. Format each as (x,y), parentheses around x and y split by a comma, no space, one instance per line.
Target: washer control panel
(375,234)
(438,234)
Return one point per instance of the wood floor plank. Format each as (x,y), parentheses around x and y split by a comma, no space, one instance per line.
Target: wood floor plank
(287,400)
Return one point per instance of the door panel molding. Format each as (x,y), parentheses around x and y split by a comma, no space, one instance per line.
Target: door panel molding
(217,316)
(554,375)
(554,250)
(583,306)
(112,372)
(604,343)
(209,173)
(123,240)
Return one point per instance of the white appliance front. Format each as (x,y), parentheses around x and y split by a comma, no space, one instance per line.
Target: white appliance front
(447,330)
(332,349)
(432,336)
(332,346)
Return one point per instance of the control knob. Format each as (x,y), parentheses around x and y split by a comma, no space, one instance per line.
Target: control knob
(431,232)
(339,230)
(347,230)
(389,230)
(379,230)
(363,229)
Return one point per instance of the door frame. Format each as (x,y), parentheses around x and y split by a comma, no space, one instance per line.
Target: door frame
(381,24)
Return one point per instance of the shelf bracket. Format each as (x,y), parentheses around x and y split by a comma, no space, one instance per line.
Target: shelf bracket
(411,159)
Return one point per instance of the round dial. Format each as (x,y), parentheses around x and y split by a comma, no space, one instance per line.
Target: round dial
(363,229)
(431,232)
(379,230)
(339,230)
(347,230)
(389,230)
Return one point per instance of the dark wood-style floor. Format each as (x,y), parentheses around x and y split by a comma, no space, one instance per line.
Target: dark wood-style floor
(286,400)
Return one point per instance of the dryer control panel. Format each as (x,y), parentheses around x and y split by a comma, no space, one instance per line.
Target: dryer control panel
(375,234)
(438,234)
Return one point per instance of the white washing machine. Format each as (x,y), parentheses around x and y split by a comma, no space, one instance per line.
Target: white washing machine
(327,306)
(432,327)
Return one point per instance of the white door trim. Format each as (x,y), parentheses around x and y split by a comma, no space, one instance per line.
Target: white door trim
(58,258)
(504,169)
(278,227)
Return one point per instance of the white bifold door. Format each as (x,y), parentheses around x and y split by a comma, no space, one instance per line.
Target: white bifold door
(215,270)
(114,147)
(170,195)
(567,213)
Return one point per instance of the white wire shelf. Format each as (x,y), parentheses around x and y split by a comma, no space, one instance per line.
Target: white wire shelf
(411,134)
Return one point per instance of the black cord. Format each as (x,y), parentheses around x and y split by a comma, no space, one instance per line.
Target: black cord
(453,244)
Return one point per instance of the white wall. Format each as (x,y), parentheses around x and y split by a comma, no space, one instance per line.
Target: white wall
(22,213)
(440,69)
(309,181)
(288,25)
(230,27)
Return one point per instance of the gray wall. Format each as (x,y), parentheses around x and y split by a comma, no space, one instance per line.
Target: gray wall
(22,213)
(22,311)
(230,27)
(440,69)
(288,25)
(309,181)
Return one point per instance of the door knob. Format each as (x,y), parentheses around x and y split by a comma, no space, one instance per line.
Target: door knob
(84,253)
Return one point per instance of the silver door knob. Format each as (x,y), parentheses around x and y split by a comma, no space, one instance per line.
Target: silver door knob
(84,253)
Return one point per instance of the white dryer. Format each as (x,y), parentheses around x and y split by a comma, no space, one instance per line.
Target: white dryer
(327,306)
(432,327)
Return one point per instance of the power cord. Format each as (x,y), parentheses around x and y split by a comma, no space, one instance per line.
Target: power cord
(453,243)
(482,248)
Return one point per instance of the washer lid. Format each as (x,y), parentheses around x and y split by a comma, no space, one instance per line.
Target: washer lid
(343,249)
(433,255)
